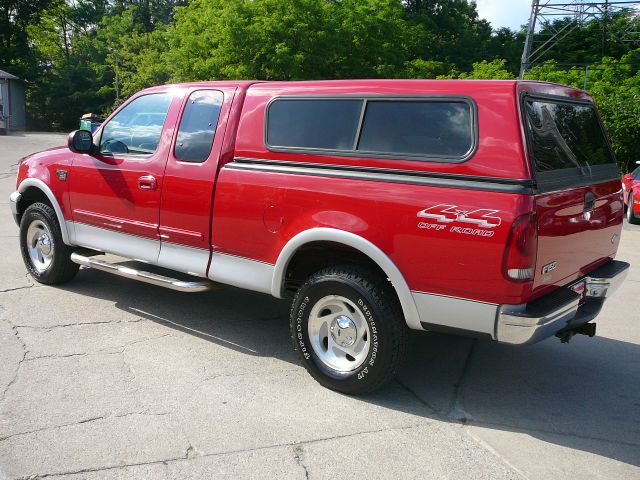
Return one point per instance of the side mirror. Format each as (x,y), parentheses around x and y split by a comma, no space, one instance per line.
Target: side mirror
(80,141)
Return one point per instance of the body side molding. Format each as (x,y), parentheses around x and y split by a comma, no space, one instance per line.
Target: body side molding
(183,258)
(117,243)
(461,314)
(241,272)
(466,182)
(321,234)
(173,256)
(40,185)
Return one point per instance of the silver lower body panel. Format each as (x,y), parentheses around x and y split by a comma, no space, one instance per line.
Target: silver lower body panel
(444,313)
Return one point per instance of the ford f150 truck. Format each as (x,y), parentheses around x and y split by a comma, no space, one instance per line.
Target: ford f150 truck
(485,208)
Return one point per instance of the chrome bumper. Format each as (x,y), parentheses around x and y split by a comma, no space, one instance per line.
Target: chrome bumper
(531,322)
(14,198)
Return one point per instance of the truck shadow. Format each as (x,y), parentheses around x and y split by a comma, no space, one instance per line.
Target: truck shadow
(584,396)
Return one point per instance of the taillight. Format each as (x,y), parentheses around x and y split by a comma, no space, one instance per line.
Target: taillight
(522,246)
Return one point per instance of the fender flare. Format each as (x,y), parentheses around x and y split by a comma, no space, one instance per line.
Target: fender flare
(361,244)
(40,185)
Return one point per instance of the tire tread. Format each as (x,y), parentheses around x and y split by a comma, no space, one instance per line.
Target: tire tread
(384,297)
(62,268)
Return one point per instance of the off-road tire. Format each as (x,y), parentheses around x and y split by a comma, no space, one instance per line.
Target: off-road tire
(388,346)
(61,269)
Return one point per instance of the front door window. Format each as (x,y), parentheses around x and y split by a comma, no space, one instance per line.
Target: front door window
(136,129)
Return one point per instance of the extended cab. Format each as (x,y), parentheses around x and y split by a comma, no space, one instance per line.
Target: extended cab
(485,208)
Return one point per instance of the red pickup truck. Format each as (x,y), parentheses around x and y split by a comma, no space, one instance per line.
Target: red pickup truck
(485,208)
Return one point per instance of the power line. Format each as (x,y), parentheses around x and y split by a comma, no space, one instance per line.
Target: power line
(545,31)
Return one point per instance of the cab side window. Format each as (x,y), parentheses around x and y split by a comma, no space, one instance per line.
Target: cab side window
(425,128)
(198,126)
(136,129)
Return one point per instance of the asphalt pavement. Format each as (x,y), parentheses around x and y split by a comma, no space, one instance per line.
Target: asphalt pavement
(107,378)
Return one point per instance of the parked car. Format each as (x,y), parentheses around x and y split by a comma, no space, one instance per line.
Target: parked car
(631,189)
(483,208)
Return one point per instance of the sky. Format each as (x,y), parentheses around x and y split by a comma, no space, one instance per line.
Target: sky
(505,13)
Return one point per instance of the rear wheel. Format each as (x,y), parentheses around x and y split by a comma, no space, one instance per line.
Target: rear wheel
(45,255)
(631,217)
(348,328)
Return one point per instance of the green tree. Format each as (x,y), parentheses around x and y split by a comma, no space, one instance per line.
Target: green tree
(450,32)
(494,70)
(69,75)
(298,39)
(15,18)
(80,55)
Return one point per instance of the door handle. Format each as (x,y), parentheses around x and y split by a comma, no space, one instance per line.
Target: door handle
(147,182)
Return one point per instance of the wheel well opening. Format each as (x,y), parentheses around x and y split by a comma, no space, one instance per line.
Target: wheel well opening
(30,196)
(315,256)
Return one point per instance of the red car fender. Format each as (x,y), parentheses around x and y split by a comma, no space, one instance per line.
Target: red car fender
(355,241)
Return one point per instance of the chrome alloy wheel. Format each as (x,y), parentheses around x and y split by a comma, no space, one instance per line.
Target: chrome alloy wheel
(339,333)
(40,245)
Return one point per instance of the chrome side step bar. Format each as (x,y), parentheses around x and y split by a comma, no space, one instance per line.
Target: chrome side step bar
(142,276)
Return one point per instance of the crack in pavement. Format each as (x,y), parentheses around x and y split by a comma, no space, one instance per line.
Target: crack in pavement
(25,359)
(20,362)
(29,285)
(16,288)
(217,454)
(420,399)
(31,359)
(455,411)
(191,452)
(77,324)
(456,406)
(101,469)
(457,414)
(119,350)
(298,454)
(86,420)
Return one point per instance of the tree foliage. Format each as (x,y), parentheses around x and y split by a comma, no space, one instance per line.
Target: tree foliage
(87,55)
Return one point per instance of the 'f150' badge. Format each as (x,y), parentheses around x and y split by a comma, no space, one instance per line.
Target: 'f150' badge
(477,222)
(549,267)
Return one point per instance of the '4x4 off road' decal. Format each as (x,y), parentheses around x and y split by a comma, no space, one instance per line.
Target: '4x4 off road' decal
(441,216)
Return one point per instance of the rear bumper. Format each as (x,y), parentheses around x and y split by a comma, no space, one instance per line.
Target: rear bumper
(560,310)
(14,198)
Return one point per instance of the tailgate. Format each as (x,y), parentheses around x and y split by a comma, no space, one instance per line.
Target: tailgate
(579,205)
(573,239)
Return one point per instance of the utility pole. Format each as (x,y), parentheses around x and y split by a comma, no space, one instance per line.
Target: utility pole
(544,33)
(528,42)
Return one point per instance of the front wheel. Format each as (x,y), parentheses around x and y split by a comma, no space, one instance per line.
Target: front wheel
(348,328)
(45,255)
